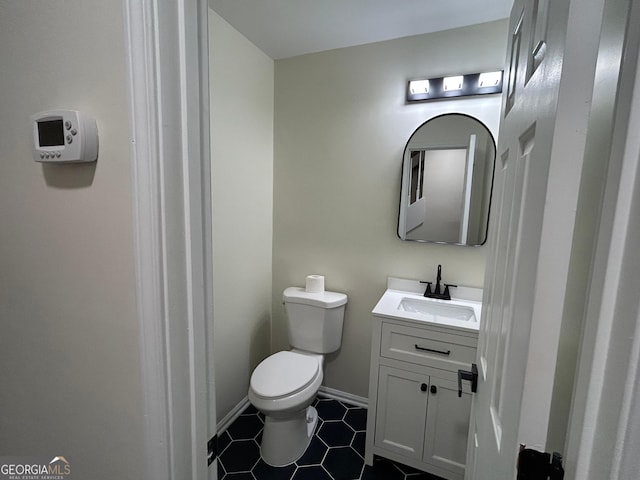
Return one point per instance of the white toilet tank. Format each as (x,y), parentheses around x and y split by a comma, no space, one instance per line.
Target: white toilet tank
(314,320)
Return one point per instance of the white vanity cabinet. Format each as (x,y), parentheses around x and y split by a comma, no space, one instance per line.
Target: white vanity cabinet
(415,415)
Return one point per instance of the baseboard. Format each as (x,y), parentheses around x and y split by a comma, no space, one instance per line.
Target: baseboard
(343,396)
(230,417)
(326,392)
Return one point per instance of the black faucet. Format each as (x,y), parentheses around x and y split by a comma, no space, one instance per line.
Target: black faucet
(438,280)
(437,293)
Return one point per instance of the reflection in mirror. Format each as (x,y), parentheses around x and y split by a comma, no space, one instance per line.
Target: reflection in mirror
(447,179)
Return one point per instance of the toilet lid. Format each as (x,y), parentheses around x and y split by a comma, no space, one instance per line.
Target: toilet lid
(284,373)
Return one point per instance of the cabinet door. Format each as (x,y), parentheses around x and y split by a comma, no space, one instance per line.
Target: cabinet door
(447,425)
(401,411)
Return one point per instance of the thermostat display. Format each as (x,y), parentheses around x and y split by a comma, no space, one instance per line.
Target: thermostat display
(64,136)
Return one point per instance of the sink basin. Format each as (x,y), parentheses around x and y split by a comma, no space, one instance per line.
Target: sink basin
(437,311)
(457,313)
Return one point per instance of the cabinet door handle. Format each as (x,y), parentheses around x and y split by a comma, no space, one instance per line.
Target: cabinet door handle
(425,349)
(423,387)
(434,389)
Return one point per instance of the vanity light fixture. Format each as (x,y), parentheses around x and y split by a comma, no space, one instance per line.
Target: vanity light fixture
(419,86)
(490,79)
(420,90)
(453,83)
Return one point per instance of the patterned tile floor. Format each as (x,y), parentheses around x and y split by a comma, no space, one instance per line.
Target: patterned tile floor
(336,451)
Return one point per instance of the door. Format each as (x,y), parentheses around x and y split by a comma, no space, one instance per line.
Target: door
(447,425)
(402,410)
(538,171)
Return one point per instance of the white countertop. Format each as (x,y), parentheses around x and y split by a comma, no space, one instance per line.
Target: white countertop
(389,303)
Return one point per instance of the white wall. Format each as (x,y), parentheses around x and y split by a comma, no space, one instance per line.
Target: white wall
(69,356)
(242,195)
(341,124)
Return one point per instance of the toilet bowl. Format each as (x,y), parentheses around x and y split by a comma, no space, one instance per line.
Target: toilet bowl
(283,386)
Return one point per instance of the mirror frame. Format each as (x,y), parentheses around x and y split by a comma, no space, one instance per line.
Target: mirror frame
(493,173)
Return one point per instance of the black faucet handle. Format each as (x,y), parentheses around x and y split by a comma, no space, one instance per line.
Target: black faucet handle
(428,290)
(446,293)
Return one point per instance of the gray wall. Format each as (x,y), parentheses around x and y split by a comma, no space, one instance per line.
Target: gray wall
(69,348)
(242,192)
(341,125)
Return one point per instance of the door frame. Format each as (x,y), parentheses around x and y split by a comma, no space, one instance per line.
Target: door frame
(168,97)
(604,429)
(167,60)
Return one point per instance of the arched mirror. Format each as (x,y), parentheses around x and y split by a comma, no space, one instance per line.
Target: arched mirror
(447,180)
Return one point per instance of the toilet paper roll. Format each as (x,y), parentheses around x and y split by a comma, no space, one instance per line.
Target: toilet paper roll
(315,284)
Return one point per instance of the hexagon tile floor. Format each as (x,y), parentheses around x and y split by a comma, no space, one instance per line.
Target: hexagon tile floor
(336,451)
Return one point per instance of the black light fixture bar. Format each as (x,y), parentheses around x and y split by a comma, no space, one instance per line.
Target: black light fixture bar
(420,90)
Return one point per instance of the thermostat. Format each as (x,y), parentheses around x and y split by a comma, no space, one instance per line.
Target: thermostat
(64,136)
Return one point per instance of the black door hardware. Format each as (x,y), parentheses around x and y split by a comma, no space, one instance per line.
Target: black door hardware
(534,465)
(423,387)
(471,376)
(434,389)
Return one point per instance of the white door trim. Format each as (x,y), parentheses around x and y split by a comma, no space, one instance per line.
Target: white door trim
(168,97)
(604,431)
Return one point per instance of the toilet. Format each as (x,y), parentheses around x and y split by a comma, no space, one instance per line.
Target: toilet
(284,385)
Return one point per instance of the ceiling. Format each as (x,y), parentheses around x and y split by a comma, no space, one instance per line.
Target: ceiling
(286,28)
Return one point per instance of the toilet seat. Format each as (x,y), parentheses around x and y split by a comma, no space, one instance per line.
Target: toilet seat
(283,374)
